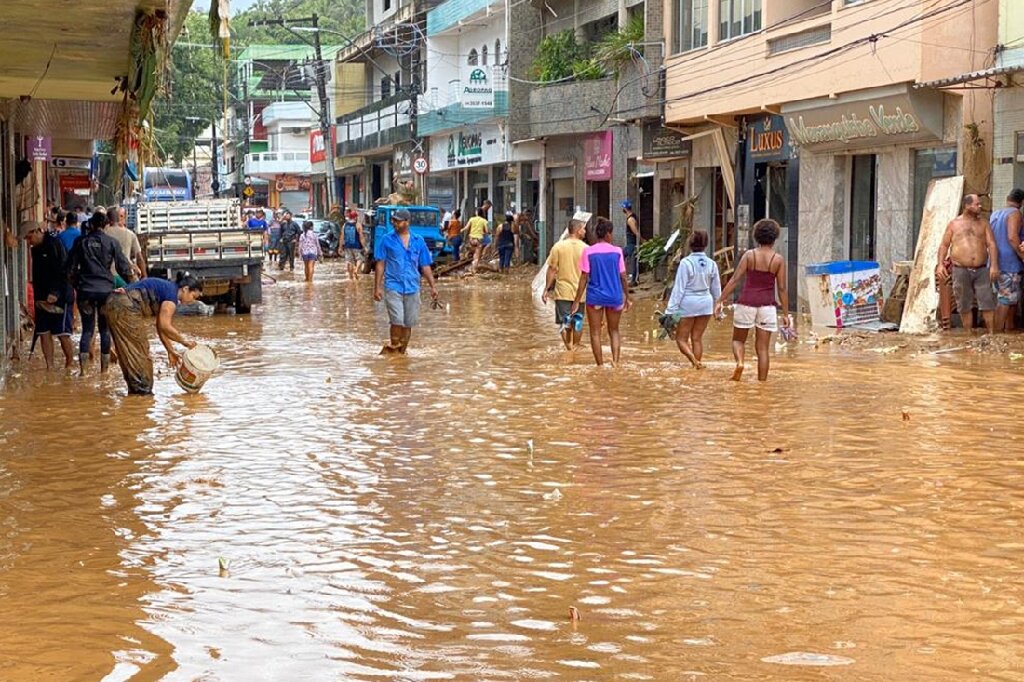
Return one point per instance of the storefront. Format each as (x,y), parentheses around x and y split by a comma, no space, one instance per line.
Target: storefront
(661,177)
(464,165)
(880,148)
(293,192)
(597,171)
(768,184)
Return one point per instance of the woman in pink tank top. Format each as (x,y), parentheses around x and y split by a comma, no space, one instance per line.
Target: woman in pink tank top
(762,271)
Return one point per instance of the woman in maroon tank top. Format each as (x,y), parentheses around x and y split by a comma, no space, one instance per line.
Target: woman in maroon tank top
(763,270)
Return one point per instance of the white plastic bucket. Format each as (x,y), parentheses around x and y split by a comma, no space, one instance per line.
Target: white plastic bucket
(197,365)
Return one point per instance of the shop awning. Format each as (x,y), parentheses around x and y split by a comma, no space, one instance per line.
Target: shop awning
(970,77)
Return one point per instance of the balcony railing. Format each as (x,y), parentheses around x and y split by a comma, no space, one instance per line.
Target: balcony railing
(442,109)
(273,163)
(376,125)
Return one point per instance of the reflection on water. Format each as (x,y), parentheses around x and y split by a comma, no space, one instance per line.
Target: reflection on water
(388,519)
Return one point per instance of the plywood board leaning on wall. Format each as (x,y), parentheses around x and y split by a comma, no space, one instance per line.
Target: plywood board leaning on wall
(941,205)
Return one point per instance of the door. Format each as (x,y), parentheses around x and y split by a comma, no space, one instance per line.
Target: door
(645,207)
(600,198)
(776,204)
(862,207)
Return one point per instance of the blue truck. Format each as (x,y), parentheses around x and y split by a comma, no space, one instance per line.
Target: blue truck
(426,222)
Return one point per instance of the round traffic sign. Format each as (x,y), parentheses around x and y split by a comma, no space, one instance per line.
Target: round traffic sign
(419,165)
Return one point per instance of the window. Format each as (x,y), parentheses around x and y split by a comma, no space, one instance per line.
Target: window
(397,81)
(387,5)
(738,17)
(385,87)
(793,41)
(862,207)
(497,52)
(472,59)
(692,27)
(483,56)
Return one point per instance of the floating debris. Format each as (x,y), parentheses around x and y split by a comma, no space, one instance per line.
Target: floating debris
(807,658)
(222,566)
(574,614)
(906,416)
(555,494)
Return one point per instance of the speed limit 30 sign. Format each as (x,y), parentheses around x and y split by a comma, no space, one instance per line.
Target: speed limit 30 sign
(420,165)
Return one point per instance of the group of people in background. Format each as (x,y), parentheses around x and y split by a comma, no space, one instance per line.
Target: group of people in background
(515,237)
(593,277)
(97,267)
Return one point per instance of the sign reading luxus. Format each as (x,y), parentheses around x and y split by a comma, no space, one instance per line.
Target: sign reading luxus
(477,87)
(767,139)
(907,116)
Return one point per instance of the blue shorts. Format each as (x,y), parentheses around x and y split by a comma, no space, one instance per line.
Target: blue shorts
(57,324)
(309,256)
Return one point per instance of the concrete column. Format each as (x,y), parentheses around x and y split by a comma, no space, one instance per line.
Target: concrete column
(542,207)
(713,15)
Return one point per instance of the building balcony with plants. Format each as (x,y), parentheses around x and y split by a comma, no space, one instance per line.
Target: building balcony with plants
(582,84)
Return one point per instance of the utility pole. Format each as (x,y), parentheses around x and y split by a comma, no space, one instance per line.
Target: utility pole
(321,91)
(215,184)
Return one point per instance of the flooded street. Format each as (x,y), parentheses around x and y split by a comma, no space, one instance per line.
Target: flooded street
(321,513)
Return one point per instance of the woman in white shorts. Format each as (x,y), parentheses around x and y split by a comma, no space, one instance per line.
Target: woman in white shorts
(763,270)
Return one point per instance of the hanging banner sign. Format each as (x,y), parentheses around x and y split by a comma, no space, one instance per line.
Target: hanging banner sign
(477,87)
(597,156)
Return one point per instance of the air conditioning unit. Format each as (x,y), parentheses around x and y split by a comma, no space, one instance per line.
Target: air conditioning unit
(294,130)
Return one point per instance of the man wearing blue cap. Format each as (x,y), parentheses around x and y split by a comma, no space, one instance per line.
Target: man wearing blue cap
(401,258)
(633,241)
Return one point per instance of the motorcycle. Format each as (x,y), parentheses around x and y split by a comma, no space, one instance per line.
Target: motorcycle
(329,235)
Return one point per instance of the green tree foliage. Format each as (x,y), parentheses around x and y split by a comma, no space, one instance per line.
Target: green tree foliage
(193,90)
(561,56)
(615,49)
(195,83)
(347,17)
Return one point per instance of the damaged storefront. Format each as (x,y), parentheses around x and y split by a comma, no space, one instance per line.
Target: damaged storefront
(865,162)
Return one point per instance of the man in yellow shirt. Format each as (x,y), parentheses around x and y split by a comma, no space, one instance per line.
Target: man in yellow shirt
(564,274)
(477,228)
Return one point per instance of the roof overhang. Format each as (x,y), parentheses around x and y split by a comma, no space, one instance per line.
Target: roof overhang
(59,65)
(986,74)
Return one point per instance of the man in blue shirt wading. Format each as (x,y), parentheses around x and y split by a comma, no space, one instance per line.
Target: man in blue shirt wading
(401,258)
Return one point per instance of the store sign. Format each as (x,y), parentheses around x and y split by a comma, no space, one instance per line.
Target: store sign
(909,116)
(477,84)
(291,183)
(37,148)
(402,161)
(69,162)
(317,148)
(597,156)
(767,139)
(660,142)
(471,146)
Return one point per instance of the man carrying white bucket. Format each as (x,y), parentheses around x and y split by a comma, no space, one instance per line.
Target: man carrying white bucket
(127,309)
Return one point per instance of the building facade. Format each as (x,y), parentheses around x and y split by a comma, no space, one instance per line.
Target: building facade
(47,138)
(383,71)
(839,85)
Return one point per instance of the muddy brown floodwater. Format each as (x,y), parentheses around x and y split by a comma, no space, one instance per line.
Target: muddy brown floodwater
(388,519)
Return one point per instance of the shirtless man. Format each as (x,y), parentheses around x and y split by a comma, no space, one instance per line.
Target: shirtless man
(971,246)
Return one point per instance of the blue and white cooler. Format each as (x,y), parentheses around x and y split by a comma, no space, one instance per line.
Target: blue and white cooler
(844,293)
